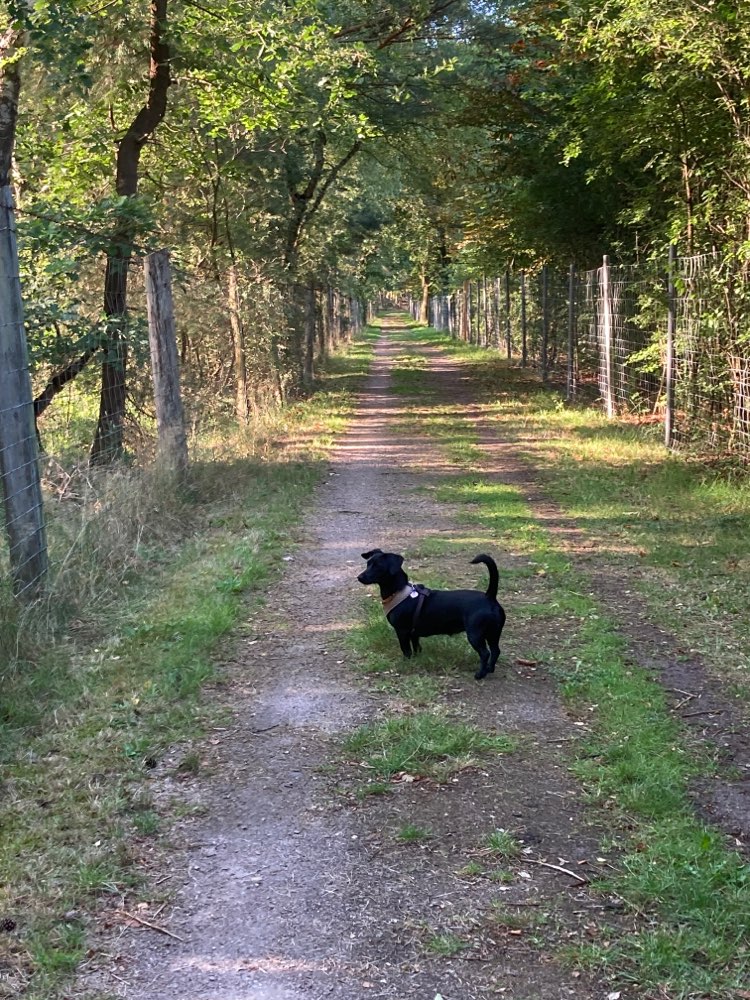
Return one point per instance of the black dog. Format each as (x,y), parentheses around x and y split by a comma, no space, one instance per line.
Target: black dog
(417,611)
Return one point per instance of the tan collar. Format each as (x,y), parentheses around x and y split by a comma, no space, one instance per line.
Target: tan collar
(395,599)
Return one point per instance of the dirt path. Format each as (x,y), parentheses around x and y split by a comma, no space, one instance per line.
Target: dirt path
(287,887)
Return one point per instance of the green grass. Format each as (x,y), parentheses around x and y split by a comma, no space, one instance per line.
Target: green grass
(446,945)
(516,918)
(411,834)
(470,870)
(504,844)
(687,888)
(427,744)
(108,674)
(420,691)
(372,788)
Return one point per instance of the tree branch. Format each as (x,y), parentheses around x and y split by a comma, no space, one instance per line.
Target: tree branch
(153,111)
(58,381)
(374,29)
(333,174)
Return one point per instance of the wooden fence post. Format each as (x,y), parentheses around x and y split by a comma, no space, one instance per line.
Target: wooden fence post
(571,384)
(508,338)
(241,394)
(669,361)
(170,424)
(606,368)
(19,452)
(524,339)
(308,364)
(486,311)
(543,364)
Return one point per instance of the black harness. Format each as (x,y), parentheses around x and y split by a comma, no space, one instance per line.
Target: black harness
(421,593)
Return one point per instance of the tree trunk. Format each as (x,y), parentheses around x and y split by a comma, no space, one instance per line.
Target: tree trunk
(11,43)
(108,443)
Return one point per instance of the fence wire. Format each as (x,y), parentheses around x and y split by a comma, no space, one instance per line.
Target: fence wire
(606,329)
(85,393)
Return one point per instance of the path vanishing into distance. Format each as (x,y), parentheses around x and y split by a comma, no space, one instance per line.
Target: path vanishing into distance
(289,881)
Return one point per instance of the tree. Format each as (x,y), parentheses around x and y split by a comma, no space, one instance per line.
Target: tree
(108,440)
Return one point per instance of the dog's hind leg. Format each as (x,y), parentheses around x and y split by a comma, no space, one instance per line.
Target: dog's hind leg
(494,645)
(415,644)
(478,643)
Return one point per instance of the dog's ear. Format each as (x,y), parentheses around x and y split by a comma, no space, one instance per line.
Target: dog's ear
(395,562)
(371,553)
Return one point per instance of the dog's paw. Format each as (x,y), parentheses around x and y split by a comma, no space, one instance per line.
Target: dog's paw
(480,675)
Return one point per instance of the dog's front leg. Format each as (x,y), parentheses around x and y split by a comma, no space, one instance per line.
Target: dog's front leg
(415,645)
(405,643)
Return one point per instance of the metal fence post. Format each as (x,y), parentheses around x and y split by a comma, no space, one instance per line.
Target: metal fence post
(19,452)
(606,291)
(571,386)
(669,362)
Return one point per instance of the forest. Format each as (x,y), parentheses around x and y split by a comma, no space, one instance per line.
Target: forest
(285,153)
(443,276)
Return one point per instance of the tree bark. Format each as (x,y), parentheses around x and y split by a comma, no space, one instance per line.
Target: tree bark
(11,44)
(108,439)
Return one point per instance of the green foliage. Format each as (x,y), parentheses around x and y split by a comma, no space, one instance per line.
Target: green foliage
(366,147)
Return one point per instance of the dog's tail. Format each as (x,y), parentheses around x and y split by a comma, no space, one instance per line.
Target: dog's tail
(489,562)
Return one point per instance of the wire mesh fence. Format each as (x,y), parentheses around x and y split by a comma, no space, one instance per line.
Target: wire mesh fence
(667,340)
(77,391)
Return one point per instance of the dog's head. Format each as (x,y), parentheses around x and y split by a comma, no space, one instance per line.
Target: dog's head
(380,566)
